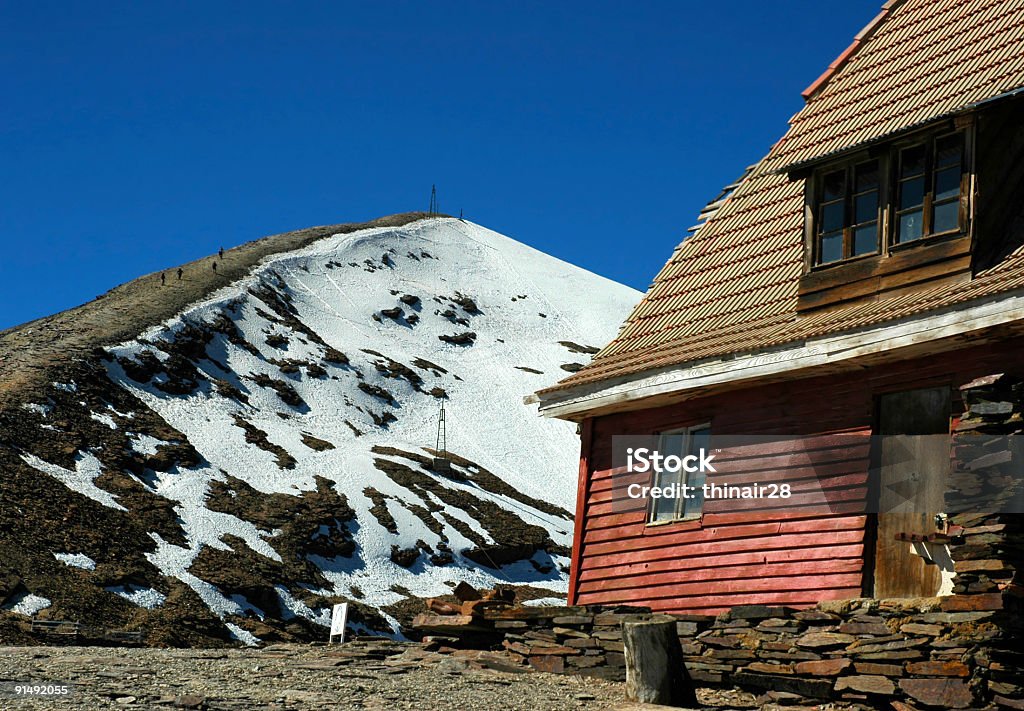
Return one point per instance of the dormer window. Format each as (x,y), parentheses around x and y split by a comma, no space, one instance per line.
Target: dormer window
(889,218)
(869,204)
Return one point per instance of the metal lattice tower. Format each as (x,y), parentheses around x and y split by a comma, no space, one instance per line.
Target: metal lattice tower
(442,434)
(433,200)
(441,462)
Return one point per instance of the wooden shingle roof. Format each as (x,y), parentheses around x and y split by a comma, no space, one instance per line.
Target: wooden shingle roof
(731,288)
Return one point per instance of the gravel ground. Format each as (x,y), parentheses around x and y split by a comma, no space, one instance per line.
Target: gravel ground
(358,675)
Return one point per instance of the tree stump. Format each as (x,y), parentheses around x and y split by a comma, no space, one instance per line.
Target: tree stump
(654,664)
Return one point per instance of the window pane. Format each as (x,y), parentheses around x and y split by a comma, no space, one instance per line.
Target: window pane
(911,193)
(865,208)
(867,177)
(699,439)
(912,161)
(672,444)
(835,185)
(695,504)
(947,183)
(831,248)
(865,239)
(947,217)
(948,150)
(831,217)
(910,226)
(665,509)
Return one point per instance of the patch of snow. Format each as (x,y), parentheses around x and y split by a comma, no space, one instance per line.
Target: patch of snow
(144,444)
(71,387)
(353,629)
(105,419)
(37,408)
(27,604)
(174,561)
(143,597)
(244,636)
(76,560)
(297,608)
(546,602)
(87,468)
(203,526)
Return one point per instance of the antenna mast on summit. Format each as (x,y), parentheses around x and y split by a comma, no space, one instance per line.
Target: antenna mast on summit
(433,200)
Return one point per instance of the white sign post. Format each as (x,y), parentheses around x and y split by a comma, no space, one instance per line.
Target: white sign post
(339,616)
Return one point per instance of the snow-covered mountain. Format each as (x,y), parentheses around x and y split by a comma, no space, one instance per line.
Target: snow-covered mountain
(270,450)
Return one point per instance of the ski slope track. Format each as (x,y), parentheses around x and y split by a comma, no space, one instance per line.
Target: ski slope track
(231,473)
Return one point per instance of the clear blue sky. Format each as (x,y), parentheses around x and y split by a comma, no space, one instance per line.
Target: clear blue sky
(134,136)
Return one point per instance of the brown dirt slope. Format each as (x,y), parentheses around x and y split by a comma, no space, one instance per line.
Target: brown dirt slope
(28,352)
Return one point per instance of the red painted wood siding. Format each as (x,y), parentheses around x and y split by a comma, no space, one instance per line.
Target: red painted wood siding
(728,559)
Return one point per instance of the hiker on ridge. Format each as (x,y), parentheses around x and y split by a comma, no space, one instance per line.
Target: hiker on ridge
(181,272)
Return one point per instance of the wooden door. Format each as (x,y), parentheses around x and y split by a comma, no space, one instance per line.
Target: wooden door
(911,487)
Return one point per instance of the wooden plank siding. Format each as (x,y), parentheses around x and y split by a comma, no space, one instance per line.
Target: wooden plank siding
(730,556)
(882,275)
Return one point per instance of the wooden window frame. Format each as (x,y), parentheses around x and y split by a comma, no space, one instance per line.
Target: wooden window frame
(680,504)
(849,167)
(928,205)
(888,157)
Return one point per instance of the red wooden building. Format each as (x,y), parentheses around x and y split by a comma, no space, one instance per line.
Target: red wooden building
(848,285)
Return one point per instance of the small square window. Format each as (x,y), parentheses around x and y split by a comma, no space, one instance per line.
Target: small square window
(681,443)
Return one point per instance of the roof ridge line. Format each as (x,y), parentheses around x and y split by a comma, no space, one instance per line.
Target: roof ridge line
(847,54)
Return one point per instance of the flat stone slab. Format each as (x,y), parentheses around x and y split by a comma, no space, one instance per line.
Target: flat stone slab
(944,693)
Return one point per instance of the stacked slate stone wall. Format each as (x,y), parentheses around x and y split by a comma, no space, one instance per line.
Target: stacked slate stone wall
(924,653)
(984,499)
(582,640)
(985,489)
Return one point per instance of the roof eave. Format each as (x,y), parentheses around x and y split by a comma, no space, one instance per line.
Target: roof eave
(925,333)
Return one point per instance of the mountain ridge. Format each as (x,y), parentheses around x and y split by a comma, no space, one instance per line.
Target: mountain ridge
(139,294)
(228,473)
